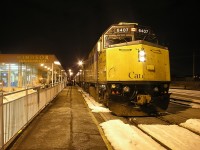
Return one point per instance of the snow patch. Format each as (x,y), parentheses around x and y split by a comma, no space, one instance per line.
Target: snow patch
(192,124)
(126,137)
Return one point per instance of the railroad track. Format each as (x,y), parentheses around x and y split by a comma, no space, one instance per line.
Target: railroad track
(185,97)
(185,101)
(160,120)
(132,121)
(171,122)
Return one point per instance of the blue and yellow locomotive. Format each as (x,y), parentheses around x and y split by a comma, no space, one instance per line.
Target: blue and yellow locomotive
(128,71)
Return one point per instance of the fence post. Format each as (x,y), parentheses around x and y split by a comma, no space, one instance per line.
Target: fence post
(27,111)
(1,122)
(38,97)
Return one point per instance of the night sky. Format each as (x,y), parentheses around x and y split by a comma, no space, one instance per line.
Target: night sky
(70,29)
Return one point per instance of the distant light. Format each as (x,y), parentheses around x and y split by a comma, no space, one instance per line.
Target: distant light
(57,62)
(80,63)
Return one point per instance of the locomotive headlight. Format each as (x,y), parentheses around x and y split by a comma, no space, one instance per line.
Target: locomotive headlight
(156,89)
(165,85)
(142,59)
(126,89)
(141,55)
(113,86)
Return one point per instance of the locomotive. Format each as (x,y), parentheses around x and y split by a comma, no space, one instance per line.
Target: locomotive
(128,71)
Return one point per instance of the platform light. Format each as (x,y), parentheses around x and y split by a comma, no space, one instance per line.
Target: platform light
(57,62)
(71,73)
(80,62)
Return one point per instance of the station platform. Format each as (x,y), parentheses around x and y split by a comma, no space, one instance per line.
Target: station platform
(65,124)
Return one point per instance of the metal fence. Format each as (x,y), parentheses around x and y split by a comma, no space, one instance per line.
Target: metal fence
(17,109)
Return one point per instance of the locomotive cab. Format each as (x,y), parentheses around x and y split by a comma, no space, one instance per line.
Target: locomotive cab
(127,32)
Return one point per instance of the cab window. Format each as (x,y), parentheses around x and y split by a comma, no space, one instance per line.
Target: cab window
(114,39)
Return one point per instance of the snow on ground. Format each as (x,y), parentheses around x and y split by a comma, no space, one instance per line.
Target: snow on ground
(195,105)
(127,137)
(192,124)
(92,104)
(123,136)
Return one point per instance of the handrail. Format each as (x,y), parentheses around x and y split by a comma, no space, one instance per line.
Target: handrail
(16,114)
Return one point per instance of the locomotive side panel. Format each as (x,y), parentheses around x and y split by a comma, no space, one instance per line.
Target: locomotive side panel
(90,68)
(102,67)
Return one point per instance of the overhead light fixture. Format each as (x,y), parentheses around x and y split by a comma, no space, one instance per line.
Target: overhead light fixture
(57,62)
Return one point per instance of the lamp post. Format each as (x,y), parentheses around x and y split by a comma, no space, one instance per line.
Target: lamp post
(81,74)
(70,73)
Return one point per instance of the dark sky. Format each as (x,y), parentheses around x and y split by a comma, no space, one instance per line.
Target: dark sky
(69,29)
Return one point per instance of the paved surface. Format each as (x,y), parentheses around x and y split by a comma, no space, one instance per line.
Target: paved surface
(64,124)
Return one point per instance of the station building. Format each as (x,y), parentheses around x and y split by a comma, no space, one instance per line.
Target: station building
(19,71)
